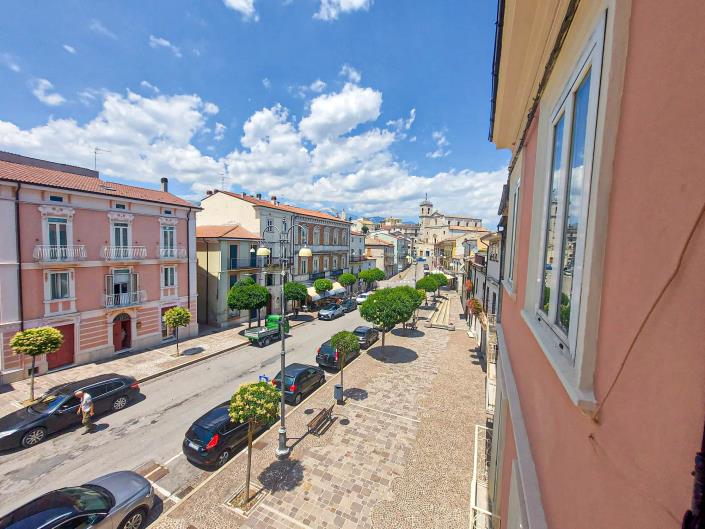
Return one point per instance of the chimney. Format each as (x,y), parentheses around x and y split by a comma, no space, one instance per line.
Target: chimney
(343,216)
(165,184)
(259,196)
(209,192)
(273,199)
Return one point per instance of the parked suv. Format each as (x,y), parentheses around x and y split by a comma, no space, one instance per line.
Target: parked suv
(349,305)
(327,356)
(56,409)
(366,336)
(299,380)
(213,438)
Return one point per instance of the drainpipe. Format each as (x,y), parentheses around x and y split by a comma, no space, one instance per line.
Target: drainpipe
(19,255)
(188,261)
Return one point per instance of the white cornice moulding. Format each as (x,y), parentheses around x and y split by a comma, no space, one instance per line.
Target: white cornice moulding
(116,216)
(168,221)
(52,211)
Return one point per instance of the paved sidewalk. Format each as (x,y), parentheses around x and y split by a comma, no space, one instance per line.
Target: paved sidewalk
(398,454)
(142,364)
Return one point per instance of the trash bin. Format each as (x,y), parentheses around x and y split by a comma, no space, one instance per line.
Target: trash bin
(338,393)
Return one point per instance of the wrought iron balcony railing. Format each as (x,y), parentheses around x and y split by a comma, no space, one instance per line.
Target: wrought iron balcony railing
(170,252)
(124,299)
(124,253)
(54,254)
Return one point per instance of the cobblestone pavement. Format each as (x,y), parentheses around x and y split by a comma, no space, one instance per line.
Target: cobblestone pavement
(139,364)
(398,454)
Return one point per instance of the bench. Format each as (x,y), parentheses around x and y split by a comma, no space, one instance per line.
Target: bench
(316,424)
(411,324)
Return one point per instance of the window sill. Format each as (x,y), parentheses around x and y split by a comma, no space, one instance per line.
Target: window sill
(583,398)
(509,289)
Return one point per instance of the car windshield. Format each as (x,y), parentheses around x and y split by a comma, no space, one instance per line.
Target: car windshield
(57,505)
(288,381)
(360,332)
(48,403)
(330,307)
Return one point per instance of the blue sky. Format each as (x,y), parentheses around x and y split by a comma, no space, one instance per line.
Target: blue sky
(362,105)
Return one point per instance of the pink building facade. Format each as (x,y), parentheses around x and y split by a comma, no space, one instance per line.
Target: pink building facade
(600,372)
(99,261)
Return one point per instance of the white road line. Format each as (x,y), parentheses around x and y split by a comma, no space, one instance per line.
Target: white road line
(16,404)
(380,411)
(167,495)
(172,458)
(285,516)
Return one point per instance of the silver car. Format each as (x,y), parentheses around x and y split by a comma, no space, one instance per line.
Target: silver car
(120,500)
(330,312)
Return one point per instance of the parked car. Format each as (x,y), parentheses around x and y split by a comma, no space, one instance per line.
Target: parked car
(213,438)
(366,336)
(426,267)
(360,299)
(349,305)
(119,500)
(327,356)
(57,409)
(330,312)
(299,380)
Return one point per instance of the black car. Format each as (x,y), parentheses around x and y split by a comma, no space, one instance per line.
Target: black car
(299,380)
(366,336)
(327,356)
(214,438)
(349,305)
(57,409)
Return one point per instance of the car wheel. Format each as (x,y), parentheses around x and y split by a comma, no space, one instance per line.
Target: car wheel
(135,520)
(266,341)
(120,403)
(322,381)
(222,458)
(297,398)
(34,437)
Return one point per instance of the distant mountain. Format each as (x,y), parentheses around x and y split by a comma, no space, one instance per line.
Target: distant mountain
(376,219)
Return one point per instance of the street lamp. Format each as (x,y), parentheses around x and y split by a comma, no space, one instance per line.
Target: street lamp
(282,450)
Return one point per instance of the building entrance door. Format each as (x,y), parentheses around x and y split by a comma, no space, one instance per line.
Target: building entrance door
(64,356)
(122,332)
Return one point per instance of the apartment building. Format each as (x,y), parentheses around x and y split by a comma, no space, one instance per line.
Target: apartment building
(401,248)
(98,260)
(600,372)
(358,260)
(382,252)
(284,229)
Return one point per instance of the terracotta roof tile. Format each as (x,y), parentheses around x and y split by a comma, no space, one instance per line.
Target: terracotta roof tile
(371,241)
(65,180)
(225,232)
(284,207)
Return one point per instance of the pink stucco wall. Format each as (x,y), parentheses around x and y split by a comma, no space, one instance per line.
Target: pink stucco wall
(633,468)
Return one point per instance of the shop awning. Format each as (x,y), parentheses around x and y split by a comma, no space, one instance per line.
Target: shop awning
(335,291)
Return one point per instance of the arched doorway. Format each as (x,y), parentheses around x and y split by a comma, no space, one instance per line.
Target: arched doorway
(122,332)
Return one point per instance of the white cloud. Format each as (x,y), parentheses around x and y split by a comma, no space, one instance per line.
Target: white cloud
(244,7)
(44,91)
(149,86)
(160,42)
(350,73)
(402,125)
(335,114)
(267,83)
(219,133)
(9,60)
(317,86)
(441,145)
(211,108)
(70,49)
(97,27)
(331,9)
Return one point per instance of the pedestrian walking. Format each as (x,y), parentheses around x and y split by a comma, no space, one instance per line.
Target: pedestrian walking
(85,408)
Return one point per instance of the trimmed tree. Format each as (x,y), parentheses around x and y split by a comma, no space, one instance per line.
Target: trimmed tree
(297,292)
(370,276)
(376,274)
(428,284)
(248,295)
(347,345)
(36,342)
(441,279)
(177,317)
(365,229)
(255,404)
(323,285)
(386,308)
(347,279)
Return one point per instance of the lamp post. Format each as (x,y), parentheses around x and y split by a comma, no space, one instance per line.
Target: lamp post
(282,450)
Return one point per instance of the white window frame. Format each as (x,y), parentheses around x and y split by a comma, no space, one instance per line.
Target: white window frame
(326,236)
(173,276)
(513,223)
(335,263)
(315,264)
(335,237)
(325,263)
(58,212)
(120,218)
(303,234)
(304,265)
(317,235)
(69,289)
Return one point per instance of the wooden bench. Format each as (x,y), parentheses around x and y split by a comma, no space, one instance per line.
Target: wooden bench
(411,324)
(316,424)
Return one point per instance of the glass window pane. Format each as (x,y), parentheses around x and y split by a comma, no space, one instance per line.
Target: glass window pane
(548,263)
(574,199)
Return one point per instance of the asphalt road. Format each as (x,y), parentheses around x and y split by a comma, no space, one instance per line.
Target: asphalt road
(150,432)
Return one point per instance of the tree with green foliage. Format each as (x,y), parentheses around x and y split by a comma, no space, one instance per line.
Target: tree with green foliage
(386,308)
(248,295)
(370,276)
(296,292)
(428,284)
(365,229)
(256,404)
(177,317)
(347,280)
(441,279)
(35,342)
(377,274)
(347,345)
(322,285)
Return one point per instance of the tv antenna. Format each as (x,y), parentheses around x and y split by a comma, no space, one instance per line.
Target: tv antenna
(223,175)
(96,150)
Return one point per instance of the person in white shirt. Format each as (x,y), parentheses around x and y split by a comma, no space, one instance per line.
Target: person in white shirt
(85,408)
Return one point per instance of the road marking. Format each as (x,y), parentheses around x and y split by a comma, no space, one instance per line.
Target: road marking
(172,458)
(381,411)
(285,516)
(16,404)
(167,495)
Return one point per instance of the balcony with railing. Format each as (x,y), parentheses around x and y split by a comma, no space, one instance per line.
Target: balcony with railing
(171,252)
(59,254)
(124,299)
(481,516)
(235,263)
(124,253)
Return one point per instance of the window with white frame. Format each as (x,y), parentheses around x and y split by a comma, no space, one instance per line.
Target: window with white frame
(168,240)
(269,222)
(335,236)
(304,265)
(566,203)
(316,235)
(59,285)
(315,265)
(169,276)
(57,232)
(303,234)
(326,236)
(513,233)
(325,263)
(335,263)
(343,260)
(284,225)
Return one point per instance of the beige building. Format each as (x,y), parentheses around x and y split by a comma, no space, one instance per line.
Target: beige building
(383,253)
